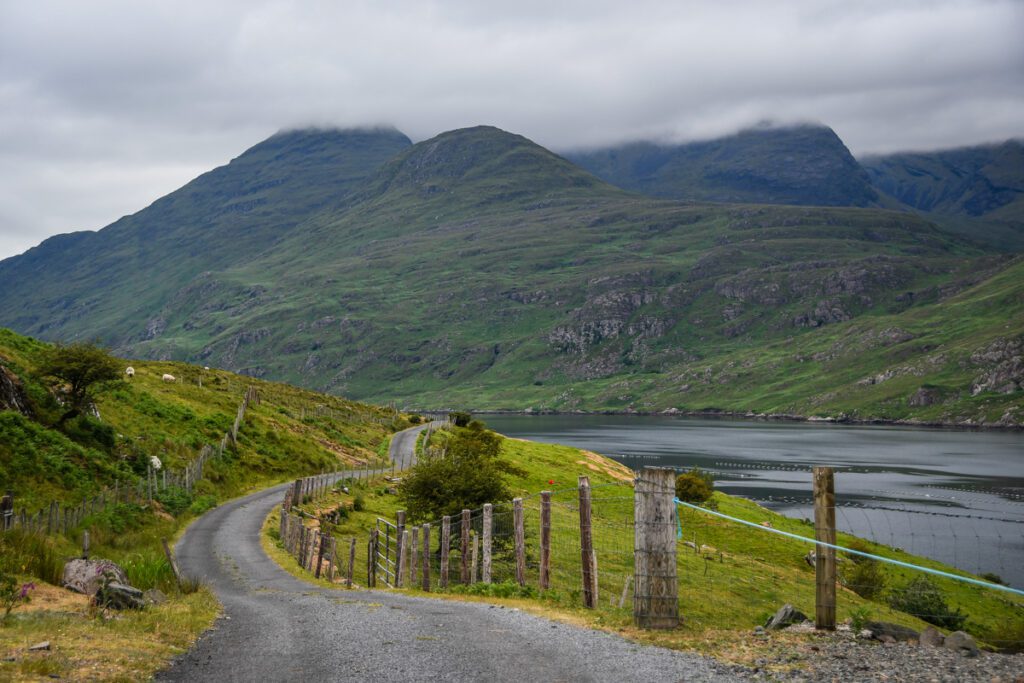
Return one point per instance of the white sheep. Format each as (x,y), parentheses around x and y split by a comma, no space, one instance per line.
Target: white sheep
(155,463)
(130,371)
(169,378)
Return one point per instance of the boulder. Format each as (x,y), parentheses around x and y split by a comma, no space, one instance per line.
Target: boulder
(881,630)
(86,576)
(931,637)
(786,616)
(155,596)
(962,642)
(120,596)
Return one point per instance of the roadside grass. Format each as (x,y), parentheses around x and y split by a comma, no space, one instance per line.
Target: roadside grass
(731,578)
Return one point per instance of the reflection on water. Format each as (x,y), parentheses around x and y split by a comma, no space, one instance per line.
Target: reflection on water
(953,495)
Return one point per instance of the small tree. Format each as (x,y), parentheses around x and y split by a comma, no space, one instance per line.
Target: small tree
(82,366)
(695,487)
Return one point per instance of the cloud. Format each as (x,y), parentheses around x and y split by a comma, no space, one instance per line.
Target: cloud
(109,105)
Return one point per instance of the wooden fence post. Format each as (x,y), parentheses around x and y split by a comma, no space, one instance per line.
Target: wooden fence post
(464,524)
(586,544)
(488,530)
(474,557)
(402,577)
(446,539)
(351,562)
(656,587)
(170,561)
(824,557)
(520,540)
(320,556)
(426,557)
(85,544)
(414,551)
(371,569)
(545,540)
(401,556)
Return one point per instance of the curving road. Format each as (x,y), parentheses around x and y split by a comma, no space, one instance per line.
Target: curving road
(277,628)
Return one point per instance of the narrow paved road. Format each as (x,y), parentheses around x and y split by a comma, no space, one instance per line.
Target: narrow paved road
(403,445)
(277,628)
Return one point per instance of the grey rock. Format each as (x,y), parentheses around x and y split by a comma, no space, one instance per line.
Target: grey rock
(786,616)
(86,576)
(931,637)
(45,645)
(811,557)
(895,631)
(958,640)
(120,596)
(155,596)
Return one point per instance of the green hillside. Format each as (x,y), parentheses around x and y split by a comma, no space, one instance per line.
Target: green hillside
(806,165)
(479,269)
(974,191)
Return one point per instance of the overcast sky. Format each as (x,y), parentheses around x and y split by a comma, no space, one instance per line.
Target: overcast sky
(105,106)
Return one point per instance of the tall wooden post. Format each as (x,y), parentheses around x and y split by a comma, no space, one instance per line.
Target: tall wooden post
(403,577)
(351,562)
(656,587)
(586,544)
(400,554)
(520,540)
(824,557)
(488,530)
(414,549)
(464,524)
(545,540)
(446,540)
(426,557)
(474,557)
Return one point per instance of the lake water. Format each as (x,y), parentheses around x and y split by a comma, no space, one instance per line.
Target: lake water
(956,496)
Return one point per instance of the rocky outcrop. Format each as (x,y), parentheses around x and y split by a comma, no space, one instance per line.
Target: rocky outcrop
(925,396)
(12,393)
(87,576)
(786,616)
(1003,367)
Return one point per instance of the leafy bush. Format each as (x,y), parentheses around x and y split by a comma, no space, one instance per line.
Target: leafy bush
(174,499)
(358,504)
(504,589)
(459,418)
(12,594)
(695,487)
(923,599)
(863,575)
(202,503)
(859,617)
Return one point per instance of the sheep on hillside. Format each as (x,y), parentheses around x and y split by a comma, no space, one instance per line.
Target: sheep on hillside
(169,378)
(129,371)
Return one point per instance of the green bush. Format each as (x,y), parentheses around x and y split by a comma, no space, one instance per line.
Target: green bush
(923,599)
(695,487)
(863,575)
(202,503)
(174,499)
(459,418)
(358,504)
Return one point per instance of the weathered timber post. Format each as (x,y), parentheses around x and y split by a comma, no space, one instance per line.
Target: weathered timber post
(586,544)
(403,577)
(824,557)
(351,562)
(446,539)
(519,536)
(333,558)
(656,587)
(464,524)
(414,551)
(85,544)
(320,556)
(474,557)
(545,540)
(426,557)
(400,556)
(488,530)
(170,561)
(371,567)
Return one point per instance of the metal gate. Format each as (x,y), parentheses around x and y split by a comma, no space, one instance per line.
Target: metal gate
(386,551)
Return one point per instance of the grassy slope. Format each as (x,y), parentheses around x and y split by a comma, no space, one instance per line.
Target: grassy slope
(172,421)
(740,578)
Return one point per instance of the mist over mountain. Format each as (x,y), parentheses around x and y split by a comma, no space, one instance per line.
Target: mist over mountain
(479,269)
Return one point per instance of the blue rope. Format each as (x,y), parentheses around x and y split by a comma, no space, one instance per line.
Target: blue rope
(898,563)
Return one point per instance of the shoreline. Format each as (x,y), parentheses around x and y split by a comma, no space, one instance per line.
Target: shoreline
(750,415)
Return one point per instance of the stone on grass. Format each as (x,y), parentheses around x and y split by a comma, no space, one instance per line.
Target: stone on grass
(786,616)
(931,637)
(86,576)
(962,642)
(120,596)
(45,645)
(155,596)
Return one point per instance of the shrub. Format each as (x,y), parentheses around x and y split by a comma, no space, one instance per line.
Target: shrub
(358,504)
(459,418)
(174,499)
(695,487)
(202,504)
(863,575)
(12,594)
(923,599)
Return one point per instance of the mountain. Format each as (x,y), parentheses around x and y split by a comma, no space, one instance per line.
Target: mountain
(77,284)
(804,165)
(480,269)
(976,191)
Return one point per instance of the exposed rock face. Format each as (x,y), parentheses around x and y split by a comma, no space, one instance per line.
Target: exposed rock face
(12,393)
(1003,363)
(786,616)
(925,396)
(87,576)
(120,596)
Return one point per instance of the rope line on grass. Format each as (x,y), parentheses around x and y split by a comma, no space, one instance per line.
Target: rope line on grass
(899,563)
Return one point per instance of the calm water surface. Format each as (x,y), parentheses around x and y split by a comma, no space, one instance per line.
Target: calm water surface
(956,496)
